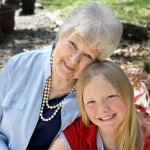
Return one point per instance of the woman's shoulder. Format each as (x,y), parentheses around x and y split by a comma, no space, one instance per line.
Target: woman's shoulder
(30,57)
(30,54)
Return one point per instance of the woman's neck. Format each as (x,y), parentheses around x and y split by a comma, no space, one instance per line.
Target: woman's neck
(60,86)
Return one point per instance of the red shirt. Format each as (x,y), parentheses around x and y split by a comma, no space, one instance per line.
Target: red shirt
(81,137)
(145,128)
(147,143)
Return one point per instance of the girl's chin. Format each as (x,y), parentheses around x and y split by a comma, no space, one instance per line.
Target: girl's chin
(108,130)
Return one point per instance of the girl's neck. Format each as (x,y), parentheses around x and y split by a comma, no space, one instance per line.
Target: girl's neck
(108,140)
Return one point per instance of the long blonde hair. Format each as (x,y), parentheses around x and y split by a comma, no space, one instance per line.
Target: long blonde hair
(129,135)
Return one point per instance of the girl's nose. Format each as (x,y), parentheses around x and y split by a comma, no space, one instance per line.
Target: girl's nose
(103,107)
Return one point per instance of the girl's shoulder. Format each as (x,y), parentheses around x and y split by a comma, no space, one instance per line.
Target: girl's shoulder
(80,136)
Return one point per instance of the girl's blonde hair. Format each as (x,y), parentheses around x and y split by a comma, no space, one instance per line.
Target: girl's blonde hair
(129,135)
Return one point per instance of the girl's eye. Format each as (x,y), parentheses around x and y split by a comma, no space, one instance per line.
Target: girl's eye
(87,56)
(110,97)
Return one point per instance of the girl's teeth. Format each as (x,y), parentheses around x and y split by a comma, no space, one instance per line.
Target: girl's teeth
(106,118)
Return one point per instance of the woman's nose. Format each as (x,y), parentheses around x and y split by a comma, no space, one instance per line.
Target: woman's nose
(75,58)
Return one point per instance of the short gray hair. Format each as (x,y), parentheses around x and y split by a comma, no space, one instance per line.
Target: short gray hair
(97,24)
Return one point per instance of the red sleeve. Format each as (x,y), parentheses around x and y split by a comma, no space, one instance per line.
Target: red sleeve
(147,143)
(72,134)
(145,129)
(81,137)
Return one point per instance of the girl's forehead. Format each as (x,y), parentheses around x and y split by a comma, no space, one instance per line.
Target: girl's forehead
(98,82)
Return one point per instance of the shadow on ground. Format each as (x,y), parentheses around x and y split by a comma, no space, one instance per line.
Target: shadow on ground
(30,39)
(26,39)
(135,34)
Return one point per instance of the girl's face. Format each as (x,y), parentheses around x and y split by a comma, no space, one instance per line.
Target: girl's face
(103,105)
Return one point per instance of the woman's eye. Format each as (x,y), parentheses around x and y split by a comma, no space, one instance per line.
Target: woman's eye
(87,56)
(91,102)
(73,44)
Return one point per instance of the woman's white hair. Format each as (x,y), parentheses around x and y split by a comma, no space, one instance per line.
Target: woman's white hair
(97,25)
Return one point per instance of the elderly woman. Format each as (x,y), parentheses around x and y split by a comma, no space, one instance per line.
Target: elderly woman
(37,94)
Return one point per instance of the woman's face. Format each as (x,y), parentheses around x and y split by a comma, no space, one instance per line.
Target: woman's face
(71,56)
(103,105)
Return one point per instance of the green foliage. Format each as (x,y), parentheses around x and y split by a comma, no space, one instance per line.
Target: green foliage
(134,11)
(131,11)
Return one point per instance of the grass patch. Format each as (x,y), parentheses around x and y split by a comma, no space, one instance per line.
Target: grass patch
(131,11)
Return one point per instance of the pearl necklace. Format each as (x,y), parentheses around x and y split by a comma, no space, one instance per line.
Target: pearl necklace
(46,97)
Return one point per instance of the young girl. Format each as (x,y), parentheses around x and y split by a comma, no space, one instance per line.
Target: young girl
(109,118)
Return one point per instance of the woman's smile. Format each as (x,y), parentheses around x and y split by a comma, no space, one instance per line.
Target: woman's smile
(67,67)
